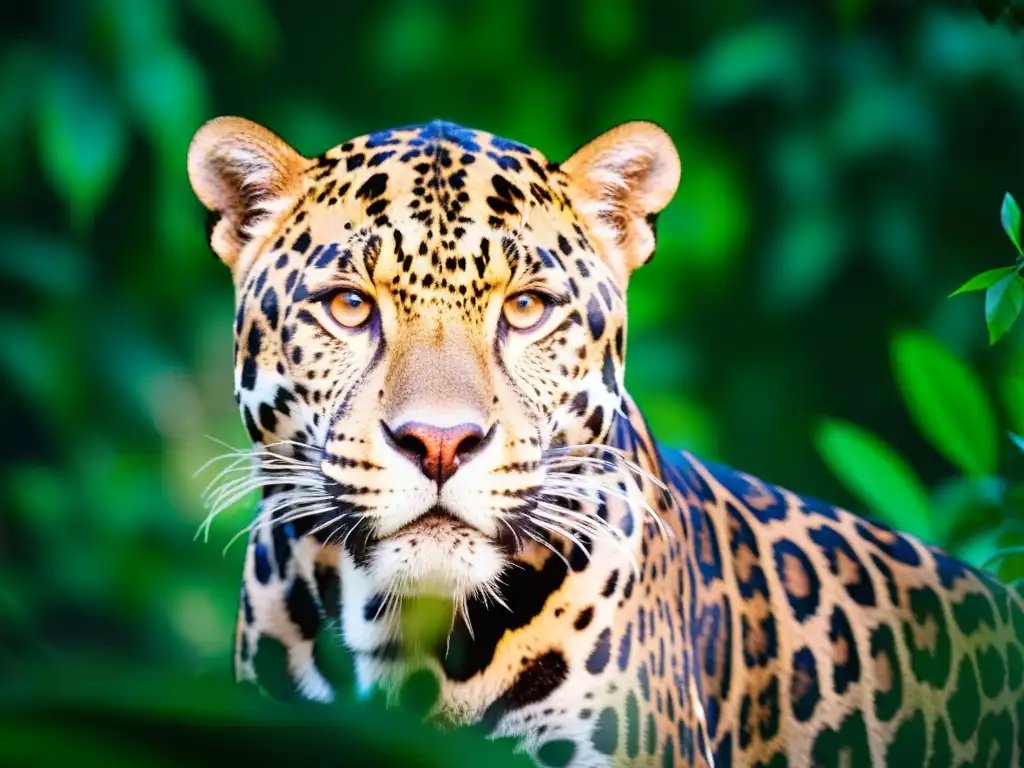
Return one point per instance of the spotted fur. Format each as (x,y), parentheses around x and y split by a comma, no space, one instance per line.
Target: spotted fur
(691,615)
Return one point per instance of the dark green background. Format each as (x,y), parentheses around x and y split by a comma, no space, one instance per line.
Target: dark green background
(843,167)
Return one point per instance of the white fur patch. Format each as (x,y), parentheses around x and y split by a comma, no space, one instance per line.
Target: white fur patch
(437,558)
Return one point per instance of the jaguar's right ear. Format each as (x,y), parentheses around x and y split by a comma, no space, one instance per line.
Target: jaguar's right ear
(244,174)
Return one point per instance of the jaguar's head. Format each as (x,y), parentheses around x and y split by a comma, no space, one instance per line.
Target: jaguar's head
(430,323)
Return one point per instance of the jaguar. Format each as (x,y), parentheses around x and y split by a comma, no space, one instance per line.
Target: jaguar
(430,336)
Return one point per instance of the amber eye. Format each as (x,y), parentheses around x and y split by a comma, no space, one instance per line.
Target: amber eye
(525,310)
(350,308)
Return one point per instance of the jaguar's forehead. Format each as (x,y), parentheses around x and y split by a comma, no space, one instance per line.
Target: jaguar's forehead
(436,205)
(411,142)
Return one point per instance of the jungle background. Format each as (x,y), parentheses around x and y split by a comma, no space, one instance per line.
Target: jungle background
(844,164)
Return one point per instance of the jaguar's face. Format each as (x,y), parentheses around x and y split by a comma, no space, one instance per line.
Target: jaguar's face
(430,320)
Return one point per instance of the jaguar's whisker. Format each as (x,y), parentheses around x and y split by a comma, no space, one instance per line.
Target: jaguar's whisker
(562,532)
(547,545)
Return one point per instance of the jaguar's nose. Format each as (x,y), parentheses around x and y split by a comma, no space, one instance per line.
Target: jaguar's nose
(437,451)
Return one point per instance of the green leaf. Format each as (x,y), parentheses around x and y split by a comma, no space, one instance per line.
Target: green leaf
(1010,215)
(1003,302)
(876,474)
(82,141)
(984,280)
(947,402)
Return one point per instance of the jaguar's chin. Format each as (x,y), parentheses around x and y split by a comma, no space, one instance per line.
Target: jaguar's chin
(437,554)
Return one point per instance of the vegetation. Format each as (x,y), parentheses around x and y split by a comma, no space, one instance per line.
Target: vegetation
(843,167)
(1003,286)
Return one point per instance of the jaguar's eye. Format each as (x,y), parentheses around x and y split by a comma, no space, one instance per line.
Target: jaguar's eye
(350,308)
(525,310)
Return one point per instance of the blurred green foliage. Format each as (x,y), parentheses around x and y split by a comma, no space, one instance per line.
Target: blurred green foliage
(1009,11)
(843,165)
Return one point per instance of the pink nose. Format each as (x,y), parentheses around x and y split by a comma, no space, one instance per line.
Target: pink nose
(438,451)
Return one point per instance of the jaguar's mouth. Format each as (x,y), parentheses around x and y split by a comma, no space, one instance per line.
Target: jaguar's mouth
(435,519)
(436,553)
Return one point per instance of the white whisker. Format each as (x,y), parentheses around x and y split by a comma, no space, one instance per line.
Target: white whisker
(574,485)
(622,456)
(547,545)
(511,530)
(589,527)
(600,529)
(561,532)
(297,486)
(637,501)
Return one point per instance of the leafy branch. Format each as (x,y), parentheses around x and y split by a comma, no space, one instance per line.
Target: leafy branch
(1003,286)
(976,514)
(951,408)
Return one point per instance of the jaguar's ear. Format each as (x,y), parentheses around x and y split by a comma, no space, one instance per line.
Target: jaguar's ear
(619,183)
(243,174)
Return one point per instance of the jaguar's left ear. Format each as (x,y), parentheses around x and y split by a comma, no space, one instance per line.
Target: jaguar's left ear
(619,182)
(244,174)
